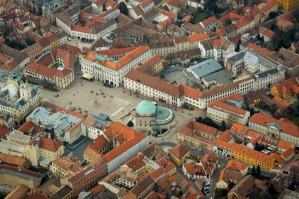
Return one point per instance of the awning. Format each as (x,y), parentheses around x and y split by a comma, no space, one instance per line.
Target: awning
(87,76)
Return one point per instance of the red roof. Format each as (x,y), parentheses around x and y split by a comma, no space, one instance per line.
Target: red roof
(209,20)
(269,5)
(3,131)
(264,120)
(130,136)
(180,150)
(170,15)
(281,102)
(191,92)
(49,144)
(236,165)
(198,37)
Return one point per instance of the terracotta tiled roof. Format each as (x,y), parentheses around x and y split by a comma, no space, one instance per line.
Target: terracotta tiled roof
(198,37)
(181,39)
(238,112)
(92,153)
(269,5)
(264,120)
(203,128)
(20,191)
(97,189)
(236,165)
(3,131)
(287,153)
(281,102)
(174,3)
(155,195)
(284,144)
(266,32)
(99,143)
(131,138)
(158,173)
(170,15)
(231,15)
(228,175)
(194,169)
(244,150)
(209,162)
(155,83)
(191,92)
(243,187)
(238,129)
(145,3)
(135,163)
(150,62)
(277,158)
(209,20)
(180,150)
(50,145)
(66,164)
(244,22)
(20,162)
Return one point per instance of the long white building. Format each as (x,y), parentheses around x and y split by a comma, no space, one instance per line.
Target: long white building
(178,94)
(108,70)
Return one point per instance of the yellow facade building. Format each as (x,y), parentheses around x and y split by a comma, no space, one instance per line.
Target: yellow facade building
(252,157)
(288,5)
(179,154)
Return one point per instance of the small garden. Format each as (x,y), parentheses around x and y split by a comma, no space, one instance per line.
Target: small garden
(199,16)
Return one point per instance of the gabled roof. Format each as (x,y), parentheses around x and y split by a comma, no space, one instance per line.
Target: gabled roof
(265,120)
(49,144)
(180,150)
(269,5)
(227,175)
(236,165)
(209,20)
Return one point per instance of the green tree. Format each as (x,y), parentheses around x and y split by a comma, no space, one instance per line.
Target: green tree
(272,190)
(199,119)
(223,126)
(238,45)
(273,108)
(253,171)
(252,111)
(123,8)
(258,171)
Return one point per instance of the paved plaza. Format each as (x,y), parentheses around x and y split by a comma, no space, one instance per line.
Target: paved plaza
(93,97)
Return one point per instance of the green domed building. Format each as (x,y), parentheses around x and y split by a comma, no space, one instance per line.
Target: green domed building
(149,116)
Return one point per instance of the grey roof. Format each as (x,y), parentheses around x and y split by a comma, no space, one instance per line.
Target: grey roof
(222,76)
(59,120)
(251,58)
(205,68)
(268,72)
(105,25)
(237,57)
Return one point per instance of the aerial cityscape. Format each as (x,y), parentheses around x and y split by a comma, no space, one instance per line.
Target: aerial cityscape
(149,99)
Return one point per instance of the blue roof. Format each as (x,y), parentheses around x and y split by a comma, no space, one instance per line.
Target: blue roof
(99,126)
(205,68)
(275,124)
(233,103)
(101,117)
(146,108)
(162,112)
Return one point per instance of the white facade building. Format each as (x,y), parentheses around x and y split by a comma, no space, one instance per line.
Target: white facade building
(112,71)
